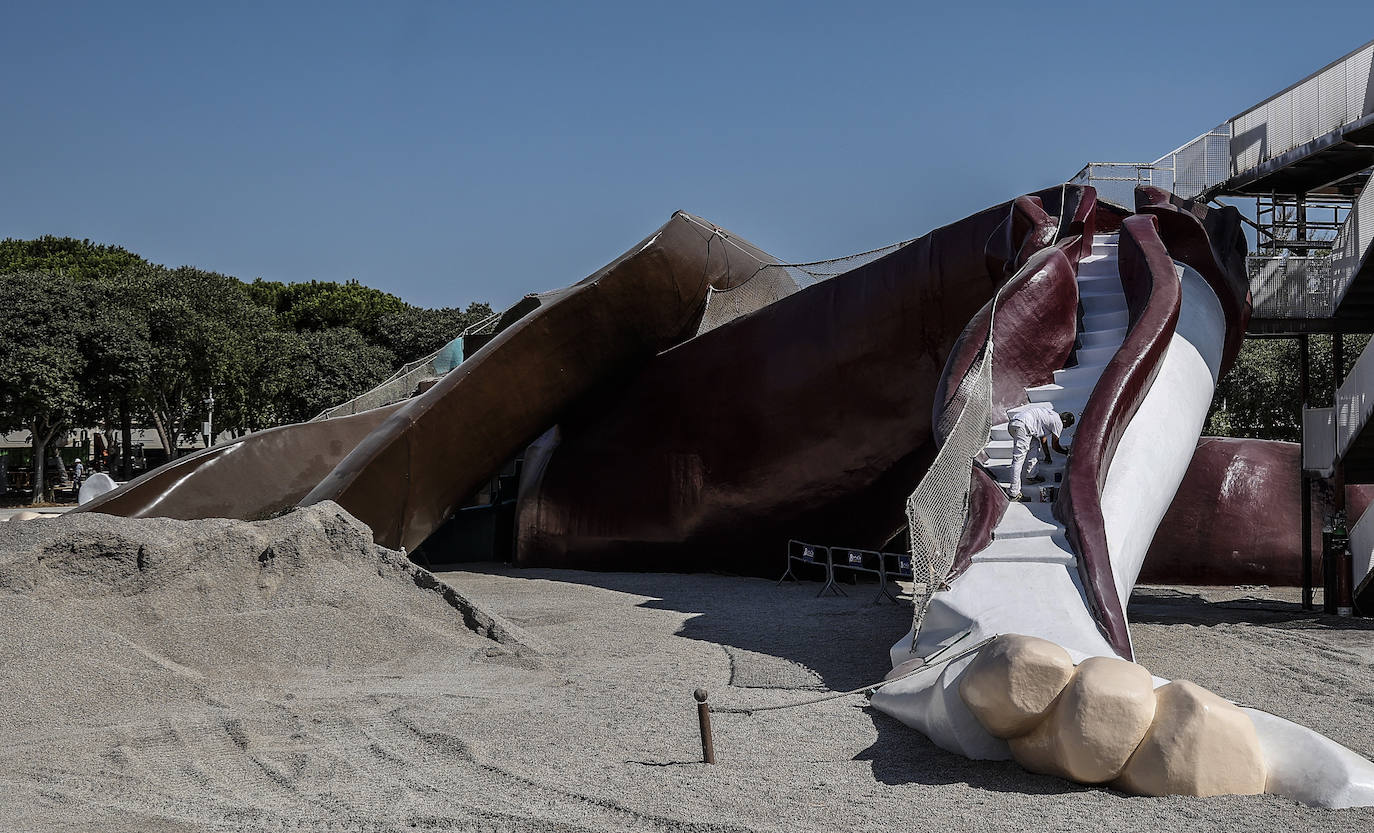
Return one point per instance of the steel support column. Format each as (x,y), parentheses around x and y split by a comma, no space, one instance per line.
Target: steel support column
(1303,369)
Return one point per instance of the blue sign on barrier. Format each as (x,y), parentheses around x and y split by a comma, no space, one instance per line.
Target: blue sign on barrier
(856,558)
(809,553)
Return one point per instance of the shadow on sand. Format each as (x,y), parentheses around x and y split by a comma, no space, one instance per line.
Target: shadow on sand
(1190,606)
(844,640)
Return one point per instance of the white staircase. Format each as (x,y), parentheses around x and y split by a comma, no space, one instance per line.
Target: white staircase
(1028,531)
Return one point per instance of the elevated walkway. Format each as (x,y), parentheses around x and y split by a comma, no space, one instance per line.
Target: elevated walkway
(1312,142)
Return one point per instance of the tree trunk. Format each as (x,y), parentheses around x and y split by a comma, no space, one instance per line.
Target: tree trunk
(40,462)
(41,438)
(126,440)
(168,442)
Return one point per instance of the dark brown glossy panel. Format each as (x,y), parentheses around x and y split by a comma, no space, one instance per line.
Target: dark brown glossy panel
(1212,242)
(1237,517)
(409,475)
(809,418)
(249,478)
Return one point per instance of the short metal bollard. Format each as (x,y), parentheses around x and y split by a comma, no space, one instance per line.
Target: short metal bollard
(708,745)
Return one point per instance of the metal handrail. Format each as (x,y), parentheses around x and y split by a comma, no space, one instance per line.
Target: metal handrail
(1330,99)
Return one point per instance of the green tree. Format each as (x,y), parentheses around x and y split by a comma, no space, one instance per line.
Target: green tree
(321,305)
(42,322)
(117,346)
(1260,396)
(336,365)
(200,326)
(415,332)
(80,259)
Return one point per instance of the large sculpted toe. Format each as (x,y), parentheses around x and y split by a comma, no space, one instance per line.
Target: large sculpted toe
(1013,681)
(1104,721)
(1199,744)
(1094,726)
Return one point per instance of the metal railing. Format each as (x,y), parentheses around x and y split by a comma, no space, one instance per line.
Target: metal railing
(1313,287)
(1290,287)
(1116,182)
(1331,98)
(1352,244)
(1326,101)
(1354,401)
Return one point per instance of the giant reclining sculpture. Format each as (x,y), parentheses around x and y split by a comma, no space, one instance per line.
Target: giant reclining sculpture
(813,416)
(672,440)
(1164,309)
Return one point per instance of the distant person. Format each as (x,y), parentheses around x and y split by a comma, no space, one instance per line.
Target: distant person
(80,472)
(1029,424)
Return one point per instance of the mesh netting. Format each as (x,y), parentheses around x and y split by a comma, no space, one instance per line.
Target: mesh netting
(404,383)
(774,281)
(936,510)
(768,284)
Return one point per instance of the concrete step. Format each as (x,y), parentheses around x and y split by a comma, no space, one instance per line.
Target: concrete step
(1099,338)
(1027,520)
(998,451)
(1098,301)
(1085,376)
(1105,269)
(1052,549)
(1106,320)
(1099,283)
(1059,394)
(1097,356)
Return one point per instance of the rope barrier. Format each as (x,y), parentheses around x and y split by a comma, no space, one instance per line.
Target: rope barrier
(924,664)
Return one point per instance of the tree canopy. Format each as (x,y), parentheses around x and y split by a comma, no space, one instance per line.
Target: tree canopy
(93,334)
(1260,396)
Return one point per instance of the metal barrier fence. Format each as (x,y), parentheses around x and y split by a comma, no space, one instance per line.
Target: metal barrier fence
(1290,287)
(1352,244)
(1199,164)
(1329,99)
(1116,181)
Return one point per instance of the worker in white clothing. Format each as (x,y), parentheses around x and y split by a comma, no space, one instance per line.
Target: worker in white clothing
(1027,425)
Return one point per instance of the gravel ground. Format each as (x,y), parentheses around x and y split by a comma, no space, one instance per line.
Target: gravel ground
(349,697)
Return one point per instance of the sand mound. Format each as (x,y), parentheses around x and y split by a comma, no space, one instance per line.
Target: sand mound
(104,617)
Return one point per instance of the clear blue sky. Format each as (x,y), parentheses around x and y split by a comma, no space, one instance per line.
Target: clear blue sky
(455,152)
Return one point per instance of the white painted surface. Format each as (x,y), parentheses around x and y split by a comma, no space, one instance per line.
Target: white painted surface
(1158,444)
(1309,767)
(1027,580)
(1362,546)
(95,486)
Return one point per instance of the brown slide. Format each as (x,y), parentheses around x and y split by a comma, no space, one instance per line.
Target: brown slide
(406,478)
(250,478)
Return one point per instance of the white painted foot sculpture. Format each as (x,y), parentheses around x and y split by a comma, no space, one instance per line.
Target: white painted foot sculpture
(1162,313)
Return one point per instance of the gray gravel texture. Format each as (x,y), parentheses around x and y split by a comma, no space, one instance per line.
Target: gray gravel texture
(339,694)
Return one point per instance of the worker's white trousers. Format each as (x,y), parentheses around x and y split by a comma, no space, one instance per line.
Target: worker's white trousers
(1022,461)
